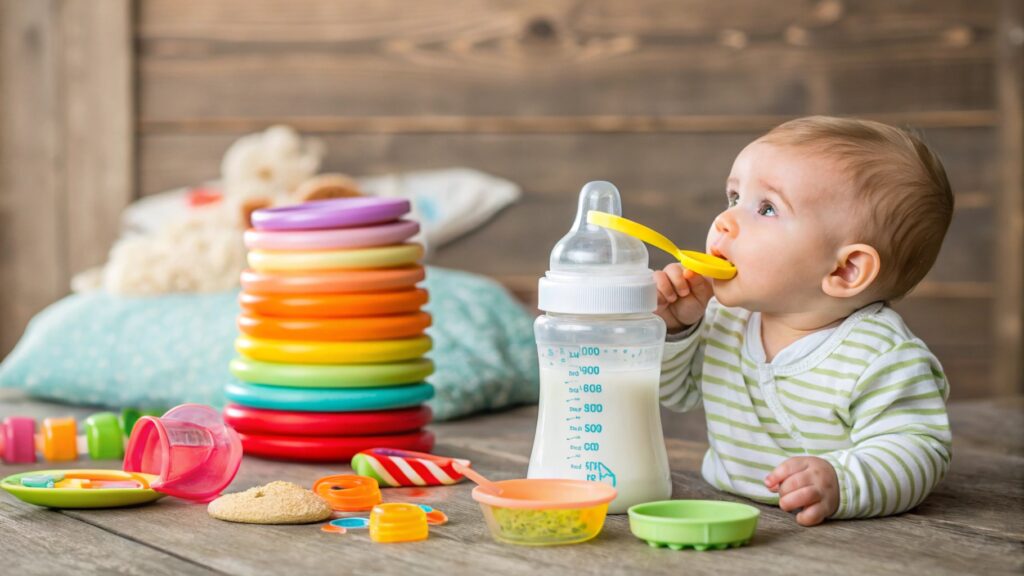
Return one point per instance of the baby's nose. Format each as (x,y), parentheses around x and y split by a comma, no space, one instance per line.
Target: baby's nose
(726,225)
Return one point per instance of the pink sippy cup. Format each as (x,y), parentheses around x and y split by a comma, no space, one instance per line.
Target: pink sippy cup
(194,453)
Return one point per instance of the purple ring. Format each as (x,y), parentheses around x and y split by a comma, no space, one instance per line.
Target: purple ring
(361,237)
(333,213)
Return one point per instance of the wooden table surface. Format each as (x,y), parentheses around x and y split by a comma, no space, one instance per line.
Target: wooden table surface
(972,523)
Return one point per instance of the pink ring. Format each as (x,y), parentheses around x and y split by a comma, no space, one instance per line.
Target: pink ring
(364,237)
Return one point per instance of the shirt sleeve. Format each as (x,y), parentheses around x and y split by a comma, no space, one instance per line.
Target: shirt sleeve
(680,369)
(900,433)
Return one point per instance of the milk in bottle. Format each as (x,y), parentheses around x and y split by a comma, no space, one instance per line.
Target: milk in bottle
(600,349)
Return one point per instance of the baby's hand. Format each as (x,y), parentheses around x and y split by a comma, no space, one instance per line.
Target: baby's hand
(682,296)
(806,482)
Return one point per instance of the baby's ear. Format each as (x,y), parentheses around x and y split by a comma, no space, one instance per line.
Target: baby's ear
(856,268)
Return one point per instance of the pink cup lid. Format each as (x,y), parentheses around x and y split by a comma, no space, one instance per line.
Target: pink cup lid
(192,451)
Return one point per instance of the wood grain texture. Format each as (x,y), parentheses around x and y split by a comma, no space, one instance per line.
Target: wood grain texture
(33,269)
(292,60)
(1008,377)
(970,524)
(66,147)
(97,125)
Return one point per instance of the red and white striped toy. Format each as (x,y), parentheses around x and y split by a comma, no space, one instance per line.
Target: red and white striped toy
(394,468)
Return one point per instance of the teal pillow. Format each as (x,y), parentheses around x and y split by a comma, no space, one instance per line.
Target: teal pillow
(161,351)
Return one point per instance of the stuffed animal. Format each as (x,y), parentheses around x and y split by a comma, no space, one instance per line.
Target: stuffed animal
(202,249)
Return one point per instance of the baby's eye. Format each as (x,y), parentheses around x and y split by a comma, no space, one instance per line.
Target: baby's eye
(766,209)
(733,198)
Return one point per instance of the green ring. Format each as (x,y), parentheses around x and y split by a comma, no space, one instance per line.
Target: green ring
(103,435)
(331,375)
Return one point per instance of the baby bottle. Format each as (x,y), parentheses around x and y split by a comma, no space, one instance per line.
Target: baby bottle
(600,348)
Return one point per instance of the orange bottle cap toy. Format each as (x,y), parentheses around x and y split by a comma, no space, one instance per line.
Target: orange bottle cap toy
(348,492)
(398,522)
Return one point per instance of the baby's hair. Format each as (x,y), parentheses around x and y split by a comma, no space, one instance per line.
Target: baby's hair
(906,196)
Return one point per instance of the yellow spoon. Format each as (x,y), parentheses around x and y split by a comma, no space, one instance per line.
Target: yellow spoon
(699,262)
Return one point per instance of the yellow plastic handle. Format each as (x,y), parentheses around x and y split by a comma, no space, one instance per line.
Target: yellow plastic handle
(699,262)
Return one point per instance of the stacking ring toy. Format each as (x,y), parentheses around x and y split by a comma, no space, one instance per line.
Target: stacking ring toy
(348,492)
(398,522)
(329,449)
(58,440)
(379,235)
(335,305)
(335,329)
(378,257)
(328,400)
(333,213)
(331,375)
(303,352)
(280,423)
(331,281)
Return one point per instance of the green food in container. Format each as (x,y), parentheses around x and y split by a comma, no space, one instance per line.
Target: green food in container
(536,512)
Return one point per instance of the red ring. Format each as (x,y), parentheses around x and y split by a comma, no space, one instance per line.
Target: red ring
(281,423)
(331,449)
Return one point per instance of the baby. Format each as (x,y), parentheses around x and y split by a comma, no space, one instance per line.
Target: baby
(818,397)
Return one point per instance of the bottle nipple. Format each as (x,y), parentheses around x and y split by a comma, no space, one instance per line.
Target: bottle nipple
(593,249)
(594,270)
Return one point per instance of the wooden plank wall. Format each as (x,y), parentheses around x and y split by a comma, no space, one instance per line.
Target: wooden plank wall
(656,95)
(66,146)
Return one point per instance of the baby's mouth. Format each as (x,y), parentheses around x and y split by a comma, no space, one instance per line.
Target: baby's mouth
(719,254)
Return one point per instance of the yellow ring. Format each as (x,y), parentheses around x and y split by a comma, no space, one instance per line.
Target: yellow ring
(306,352)
(380,257)
(706,264)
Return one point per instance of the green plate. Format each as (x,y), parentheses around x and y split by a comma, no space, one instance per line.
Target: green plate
(77,497)
(698,524)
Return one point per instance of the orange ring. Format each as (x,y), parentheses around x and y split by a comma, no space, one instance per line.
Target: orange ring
(334,329)
(332,281)
(335,305)
(349,492)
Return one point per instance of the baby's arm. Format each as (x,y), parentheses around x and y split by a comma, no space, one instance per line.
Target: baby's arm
(683,297)
(900,430)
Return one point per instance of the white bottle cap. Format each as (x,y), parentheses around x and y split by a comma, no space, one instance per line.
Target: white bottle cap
(594,270)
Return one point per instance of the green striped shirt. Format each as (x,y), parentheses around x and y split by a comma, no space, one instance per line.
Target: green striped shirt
(869,399)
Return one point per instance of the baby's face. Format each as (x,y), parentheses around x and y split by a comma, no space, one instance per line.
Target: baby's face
(788,211)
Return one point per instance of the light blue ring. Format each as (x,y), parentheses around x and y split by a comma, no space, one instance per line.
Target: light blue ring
(328,400)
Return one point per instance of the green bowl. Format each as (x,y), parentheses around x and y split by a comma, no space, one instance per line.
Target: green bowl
(697,524)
